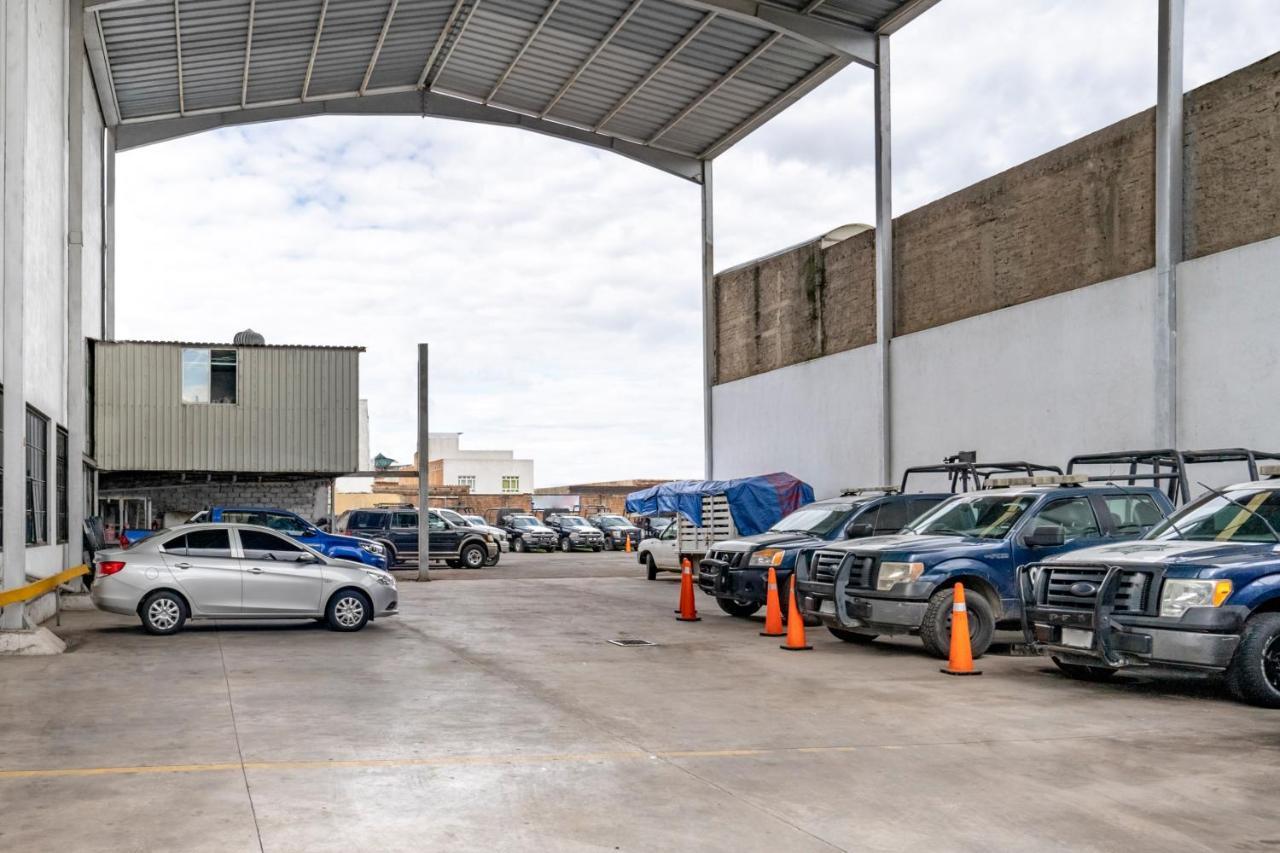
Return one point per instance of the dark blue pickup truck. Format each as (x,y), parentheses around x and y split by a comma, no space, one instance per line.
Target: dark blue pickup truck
(903,584)
(1199,592)
(296,527)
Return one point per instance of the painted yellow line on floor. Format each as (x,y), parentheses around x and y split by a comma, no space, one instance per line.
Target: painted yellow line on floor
(427,761)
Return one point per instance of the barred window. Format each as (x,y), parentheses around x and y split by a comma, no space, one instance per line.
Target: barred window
(510,484)
(62,484)
(37,453)
(468,480)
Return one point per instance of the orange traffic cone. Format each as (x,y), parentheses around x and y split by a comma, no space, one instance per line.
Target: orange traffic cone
(628,543)
(772,608)
(961,662)
(688,610)
(795,623)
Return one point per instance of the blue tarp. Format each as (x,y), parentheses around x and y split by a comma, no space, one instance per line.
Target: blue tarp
(756,503)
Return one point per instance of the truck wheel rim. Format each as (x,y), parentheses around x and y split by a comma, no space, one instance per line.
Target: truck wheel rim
(1271,664)
(349,611)
(474,558)
(163,613)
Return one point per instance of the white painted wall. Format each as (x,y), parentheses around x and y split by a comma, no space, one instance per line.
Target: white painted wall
(813,420)
(1041,381)
(488,473)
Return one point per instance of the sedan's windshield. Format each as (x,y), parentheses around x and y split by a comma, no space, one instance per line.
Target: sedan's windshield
(979,516)
(818,520)
(1213,518)
(525,521)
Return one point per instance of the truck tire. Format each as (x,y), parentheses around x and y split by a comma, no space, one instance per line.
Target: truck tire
(1254,673)
(1084,672)
(608,544)
(851,636)
(493,561)
(390,550)
(518,545)
(472,556)
(566,545)
(650,567)
(740,609)
(935,630)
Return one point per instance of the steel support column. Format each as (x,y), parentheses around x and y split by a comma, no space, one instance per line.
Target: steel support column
(75,363)
(13,127)
(884,257)
(709,320)
(1168,217)
(109,235)
(424,489)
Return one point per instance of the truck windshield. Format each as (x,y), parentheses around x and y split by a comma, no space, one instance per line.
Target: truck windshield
(613,521)
(1213,518)
(978,516)
(525,521)
(477,520)
(573,521)
(818,520)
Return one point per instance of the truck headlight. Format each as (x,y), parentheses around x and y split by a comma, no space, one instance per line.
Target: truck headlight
(372,547)
(488,537)
(896,573)
(1178,595)
(767,557)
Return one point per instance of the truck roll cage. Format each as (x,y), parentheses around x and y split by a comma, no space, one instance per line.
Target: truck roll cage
(1168,467)
(967,474)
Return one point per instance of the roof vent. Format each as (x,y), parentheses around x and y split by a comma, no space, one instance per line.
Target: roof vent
(249,338)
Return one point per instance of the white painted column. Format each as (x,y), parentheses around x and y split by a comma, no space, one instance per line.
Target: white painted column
(424,465)
(709,319)
(884,256)
(75,364)
(1169,144)
(15,41)
(109,236)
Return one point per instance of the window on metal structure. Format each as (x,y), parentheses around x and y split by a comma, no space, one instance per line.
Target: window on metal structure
(510,485)
(467,480)
(62,484)
(37,455)
(209,376)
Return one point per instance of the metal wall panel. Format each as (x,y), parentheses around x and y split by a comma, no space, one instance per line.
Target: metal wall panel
(295,411)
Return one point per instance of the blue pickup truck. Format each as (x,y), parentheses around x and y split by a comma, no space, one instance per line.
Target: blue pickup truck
(296,527)
(903,584)
(1199,592)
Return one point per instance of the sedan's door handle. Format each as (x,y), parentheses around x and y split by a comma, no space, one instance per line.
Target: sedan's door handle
(254,570)
(182,565)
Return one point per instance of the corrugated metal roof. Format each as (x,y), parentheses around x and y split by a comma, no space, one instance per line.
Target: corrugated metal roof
(226,345)
(685,77)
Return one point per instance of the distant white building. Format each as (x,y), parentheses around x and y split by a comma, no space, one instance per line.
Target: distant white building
(486,472)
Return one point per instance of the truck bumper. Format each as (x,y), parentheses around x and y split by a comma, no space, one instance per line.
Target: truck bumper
(883,615)
(1202,638)
(716,578)
(819,601)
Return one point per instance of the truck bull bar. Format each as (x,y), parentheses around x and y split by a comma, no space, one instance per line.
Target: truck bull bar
(1099,620)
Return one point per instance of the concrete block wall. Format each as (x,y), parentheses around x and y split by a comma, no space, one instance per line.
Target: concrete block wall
(1076,216)
(308,498)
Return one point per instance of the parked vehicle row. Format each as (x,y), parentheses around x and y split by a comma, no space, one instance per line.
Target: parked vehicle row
(1099,570)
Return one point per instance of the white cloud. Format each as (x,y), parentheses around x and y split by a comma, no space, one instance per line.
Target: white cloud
(558,285)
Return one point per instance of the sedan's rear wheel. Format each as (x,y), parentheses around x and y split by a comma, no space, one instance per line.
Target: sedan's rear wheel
(348,611)
(163,613)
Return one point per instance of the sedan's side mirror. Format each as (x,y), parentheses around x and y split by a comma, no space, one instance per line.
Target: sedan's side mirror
(1048,536)
(859,530)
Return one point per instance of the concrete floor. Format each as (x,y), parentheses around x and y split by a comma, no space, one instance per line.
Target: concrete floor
(492,715)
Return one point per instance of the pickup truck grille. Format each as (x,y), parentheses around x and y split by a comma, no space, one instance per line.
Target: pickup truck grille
(1131,597)
(733,558)
(826,565)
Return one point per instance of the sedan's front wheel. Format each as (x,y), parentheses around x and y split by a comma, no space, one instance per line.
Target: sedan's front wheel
(348,611)
(163,613)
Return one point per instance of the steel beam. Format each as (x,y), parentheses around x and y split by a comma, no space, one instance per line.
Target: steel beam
(709,319)
(74,366)
(591,57)
(100,65)
(751,57)
(377,47)
(462,31)
(14,39)
(431,104)
(656,69)
(851,42)
(424,465)
(315,49)
(108,318)
(533,34)
(884,256)
(905,14)
(439,43)
(177,40)
(1169,145)
(248,54)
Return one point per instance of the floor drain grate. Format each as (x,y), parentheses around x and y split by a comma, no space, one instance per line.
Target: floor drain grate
(628,642)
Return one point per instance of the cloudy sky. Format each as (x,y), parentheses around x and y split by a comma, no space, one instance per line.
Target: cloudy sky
(558,286)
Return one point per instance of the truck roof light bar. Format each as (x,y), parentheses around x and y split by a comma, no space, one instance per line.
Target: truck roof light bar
(1041,480)
(863,490)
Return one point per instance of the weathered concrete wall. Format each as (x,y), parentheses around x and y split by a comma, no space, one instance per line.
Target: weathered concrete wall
(1232,162)
(1078,215)
(308,498)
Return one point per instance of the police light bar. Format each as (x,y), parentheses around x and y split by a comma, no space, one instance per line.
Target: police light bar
(1269,470)
(1042,480)
(859,490)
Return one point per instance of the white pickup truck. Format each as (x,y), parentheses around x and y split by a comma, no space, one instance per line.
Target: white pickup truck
(682,538)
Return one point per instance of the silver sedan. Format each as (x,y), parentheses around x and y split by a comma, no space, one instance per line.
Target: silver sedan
(236,571)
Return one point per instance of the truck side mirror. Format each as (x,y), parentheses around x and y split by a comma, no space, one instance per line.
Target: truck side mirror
(1047,536)
(859,529)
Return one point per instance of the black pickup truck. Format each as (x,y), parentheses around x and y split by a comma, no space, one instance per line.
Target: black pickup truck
(575,533)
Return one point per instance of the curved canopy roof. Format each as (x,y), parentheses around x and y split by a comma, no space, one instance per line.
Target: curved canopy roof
(667,82)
